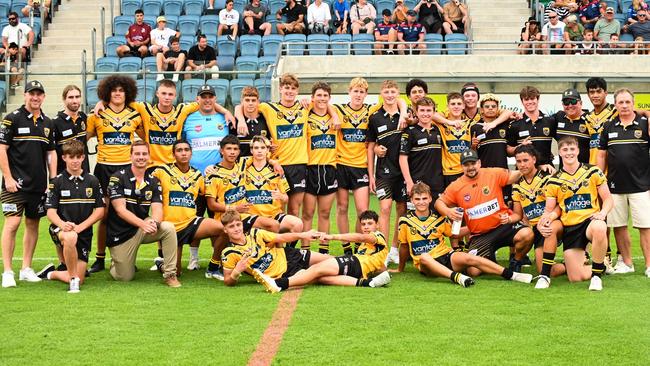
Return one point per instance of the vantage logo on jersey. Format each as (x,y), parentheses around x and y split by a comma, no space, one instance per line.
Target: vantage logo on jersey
(263,263)
(578,202)
(116,138)
(353,135)
(323,142)
(234,195)
(181,199)
(534,210)
(420,247)
(457,146)
(257,197)
(162,138)
(290,131)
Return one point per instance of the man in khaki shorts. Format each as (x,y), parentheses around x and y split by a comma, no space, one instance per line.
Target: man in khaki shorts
(623,154)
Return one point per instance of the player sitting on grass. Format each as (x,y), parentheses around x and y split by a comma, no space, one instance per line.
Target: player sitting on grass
(424,232)
(345,270)
(578,189)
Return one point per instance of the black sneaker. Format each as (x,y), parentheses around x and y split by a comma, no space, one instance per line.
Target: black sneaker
(526,261)
(61,267)
(515,265)
(159,264)
(47,269)
(98,266)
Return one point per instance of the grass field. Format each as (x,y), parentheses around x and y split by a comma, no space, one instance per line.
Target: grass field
(414,321)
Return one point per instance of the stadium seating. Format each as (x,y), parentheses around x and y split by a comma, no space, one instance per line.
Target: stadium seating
(433,49)
(152,7)
(187,42)
(5,7)
(172,21)
(295,44)
(226,46)
(146,90)
(384,4)
(246,63)
(18,5)
(189,89)
(188,25)
(271,44)
(264,63)
(91,92)
(149,64)
(625,4)
(212,40)
(193,7)
(236,85)
(106,64)
(218,4)
(363,44)
(172,7)
(626,37)
(130,6)
(226,63)
(130,64)
(121,24)
(151,20)
(458,48)
(275,5)
(317,44)
(208,24)
(250,45)
(264,88)
(221,87)
(112,43)
(340,44)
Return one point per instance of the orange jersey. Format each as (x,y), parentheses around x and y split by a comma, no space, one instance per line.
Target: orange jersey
(481,198)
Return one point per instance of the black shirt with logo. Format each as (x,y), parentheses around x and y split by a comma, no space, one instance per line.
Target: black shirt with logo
(424,149)
(383,129)
(578,128)
(67,129)
(256,127)
(492,147)
(293,14)
(540,132)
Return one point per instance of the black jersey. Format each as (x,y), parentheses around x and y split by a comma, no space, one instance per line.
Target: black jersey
(383,129)
(578,128)
(66,129)
(492,145)
(424,149)
(256,127)
(539,132)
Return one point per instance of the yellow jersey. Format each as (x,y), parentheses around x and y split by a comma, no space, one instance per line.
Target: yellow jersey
(161,130)
(454,142)
(322,140)
(258,185)
(227,185)
(372,256)
(180,191)
(531,196)
(288,128)
(271,261)
(596,122)
(577,193)
(115,133)
(475,118)
(351,149)
(424,235)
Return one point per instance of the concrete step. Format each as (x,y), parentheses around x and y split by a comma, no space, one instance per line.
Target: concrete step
(486,22)
(499,12)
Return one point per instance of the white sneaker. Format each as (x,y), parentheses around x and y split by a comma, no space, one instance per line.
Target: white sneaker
(8,279)
(74,285)
(28,275)
(380,280)
(160,77)
(266,281)
(466,281)
(609,269)
(175,78)
(522,277)
(622,268)
(543,282)
(647,272)
(193,265)
(596,284)
(393,256)
(155,264)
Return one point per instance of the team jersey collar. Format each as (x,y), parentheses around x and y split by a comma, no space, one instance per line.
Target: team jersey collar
(73,177)
(635,122)
(30,115)
(529,120)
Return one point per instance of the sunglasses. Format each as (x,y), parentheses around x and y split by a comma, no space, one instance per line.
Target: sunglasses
(641,15)
(552,17)
(12,18)
(570,102)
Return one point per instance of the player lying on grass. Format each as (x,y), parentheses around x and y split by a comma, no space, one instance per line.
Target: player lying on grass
(422,232)
(345,270)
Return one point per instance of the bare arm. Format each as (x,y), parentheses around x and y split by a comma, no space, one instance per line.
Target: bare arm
(601,160)
(406,172)
(352,237)
(10,182)
(514,176)
(97,214)
(289,237)
(370,151)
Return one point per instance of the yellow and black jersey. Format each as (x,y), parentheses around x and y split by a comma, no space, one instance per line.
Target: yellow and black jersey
(351,140)
(322,140)
(115,133)
(577,193)
(454,142)
(271,261)
(259,185)
(288,128)
(531,196)
(372,256)
(596,123)
(227,185)
(161,130)
(475,118)
(180,191)
(424,235)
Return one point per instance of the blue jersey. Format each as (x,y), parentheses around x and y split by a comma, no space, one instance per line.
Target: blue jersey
(411,32)
(204,133)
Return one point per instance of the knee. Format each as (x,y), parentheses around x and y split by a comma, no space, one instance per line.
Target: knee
(68,238)
(167,227)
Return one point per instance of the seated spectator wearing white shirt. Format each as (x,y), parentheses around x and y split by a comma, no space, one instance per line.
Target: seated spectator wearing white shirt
(160,36)
(318,17)
(228,20)
(18,33)
(553,31)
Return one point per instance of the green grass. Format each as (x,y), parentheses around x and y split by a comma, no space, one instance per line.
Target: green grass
(416,320)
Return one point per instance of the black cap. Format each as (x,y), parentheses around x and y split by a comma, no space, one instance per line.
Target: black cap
(34,85)
(411,12)
(468,155)
(206,89)
(386,12)
(571,94)
(13,45)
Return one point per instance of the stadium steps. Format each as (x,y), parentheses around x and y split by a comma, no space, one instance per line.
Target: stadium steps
(497,20)
(60,51)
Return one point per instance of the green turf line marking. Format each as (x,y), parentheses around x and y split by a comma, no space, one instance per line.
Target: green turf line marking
(272,338)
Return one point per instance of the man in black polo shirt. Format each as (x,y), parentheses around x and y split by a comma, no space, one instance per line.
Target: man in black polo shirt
(572,121)
(202,57)
(491,146)
(70,124)
(132,194)
(255,121)
(623,154)
(295,16)
(26,156)
(74,203)
(532,128)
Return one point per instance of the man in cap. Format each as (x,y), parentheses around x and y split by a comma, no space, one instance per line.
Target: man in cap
(411,34)
(606,26)
(160,36)
(572,121)
(386,31)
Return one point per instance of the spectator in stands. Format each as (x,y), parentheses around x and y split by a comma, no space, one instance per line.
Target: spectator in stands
(161,36)
(633,9)
(602,8)
(386,31)
(455,15)
(40,7)
(641,32)
(202,57)
(399,13)
(171,60)
(362,17)
(11,56)
(295,14)
(572,33)
(254,18)
(589,11)
(529,33)
(342,14)
(561,8)
(228,21)
(553,31)
(410,34)
(607,26)
(430,15)
(587,46)
(18,33)
(138,38)
(318,17)
(615,47)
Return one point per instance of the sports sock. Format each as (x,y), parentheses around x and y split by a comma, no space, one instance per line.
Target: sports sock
(363,282)
(282,283)
(347,248)
(597,269)
(393,251)
(507,273)
(214,265)
(194,252)
(160,253)
(455,277)
(323,248)
(548,260)
(100,256)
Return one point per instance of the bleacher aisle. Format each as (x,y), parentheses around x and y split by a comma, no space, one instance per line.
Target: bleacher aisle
(497,20)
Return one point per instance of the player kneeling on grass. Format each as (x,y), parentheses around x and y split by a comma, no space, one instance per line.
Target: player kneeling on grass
(345,270)
(423,232)
(74,203)
(578,189)
(260,249)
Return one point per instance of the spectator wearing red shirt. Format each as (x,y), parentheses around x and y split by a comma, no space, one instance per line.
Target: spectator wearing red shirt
(137,38)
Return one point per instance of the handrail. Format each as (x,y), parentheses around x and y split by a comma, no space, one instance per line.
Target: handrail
(93,43)
(84,78)
(102,22)
(113,14)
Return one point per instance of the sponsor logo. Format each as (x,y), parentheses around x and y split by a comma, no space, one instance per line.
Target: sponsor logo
(289,131)
(148,195)
(483,210)
(9,207)
(534,210)
(259,197)
(582,128)
(420,247)
(161,138)
(594,141)
(502,133)
(637,134)
(486,190)
(353,135)
(467,197)
(323,142)
(234,195)
(457,146)
(263,263)
(117,138)
(46,131)
(206,143)
(89,192)
(578,202)
(181,199)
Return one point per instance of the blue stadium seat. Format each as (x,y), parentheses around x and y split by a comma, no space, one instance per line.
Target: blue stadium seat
(188,25)
(91,92)
(194,7)
(264,89)
(5,7)
(625,4)
(264,63)
(249,44)
(172,21)
(340,44)
(130,64)
(384,4)
(456,49)
(247,63)
(219,4)
(152,7)
(626,37)
(121,24)
(18,5)
(271,44)
(112,43)
(274,22)
(275,5)
(622,18)
(130,6)
(173,7)
(189,89)
(226,47)
(433,49)
(151,20)
(293,46)
(212,40)
(146,90)
(106,64)
(221,87)
(364,47)
(36,27)
(208,24)
(318,44)
(226,63)
(409,4)
(149,64)
(236,85)
(187,42)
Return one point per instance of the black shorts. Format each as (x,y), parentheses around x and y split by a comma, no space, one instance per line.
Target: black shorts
(17,203)
(351,178)
(202,207)
(449,179)
(349,265)
(297,259)
(575,237)
(538,242)
(321,180)
(296,175)
(445,260)
(228,29)
(103,172)
(507,195)
(487,244)
(460,25)
(391,188)
(248,222)
(279,217)
(135,50)
(84,242)
(186,236)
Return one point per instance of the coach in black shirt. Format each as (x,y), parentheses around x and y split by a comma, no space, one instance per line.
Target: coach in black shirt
(70,124)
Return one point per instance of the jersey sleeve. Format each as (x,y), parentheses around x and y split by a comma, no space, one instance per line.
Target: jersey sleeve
(52,200)
(551,190)
(157,197)
(6,131)
(372,131)
(282,184)
(115,188)
(402,234)
(445,228)
(405,143)
(604,138)
(264,237)
(598,178)
(381,239)
(201,183)
(90,125)
(503,176)
(511,135)
(516,195)
(449,195)
(211,186)
(229,258)
(98,195)
(266,111)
